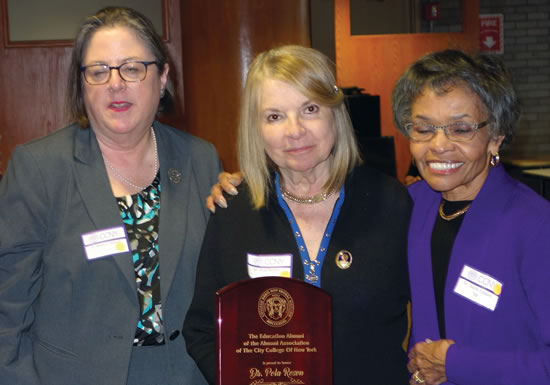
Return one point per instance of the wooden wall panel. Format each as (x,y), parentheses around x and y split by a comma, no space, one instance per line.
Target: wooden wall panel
(220,38)
(32,84)
(375,62)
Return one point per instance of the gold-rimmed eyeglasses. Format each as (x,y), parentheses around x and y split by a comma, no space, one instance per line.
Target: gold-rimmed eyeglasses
(456,132)
(130,71)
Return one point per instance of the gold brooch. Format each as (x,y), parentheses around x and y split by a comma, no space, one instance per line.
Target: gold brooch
(343,259)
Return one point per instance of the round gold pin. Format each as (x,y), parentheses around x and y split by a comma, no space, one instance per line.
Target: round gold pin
(343,259)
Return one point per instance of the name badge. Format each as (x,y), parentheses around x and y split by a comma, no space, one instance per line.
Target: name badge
(269,265)
(478,287)
(103,243)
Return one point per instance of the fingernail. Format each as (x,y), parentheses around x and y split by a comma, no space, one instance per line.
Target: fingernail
(222,203)
(233,191)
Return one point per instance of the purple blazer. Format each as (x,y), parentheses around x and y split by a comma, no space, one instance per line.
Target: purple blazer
(505,235)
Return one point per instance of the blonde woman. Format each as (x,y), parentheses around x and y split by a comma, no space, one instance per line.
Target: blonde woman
(306,195)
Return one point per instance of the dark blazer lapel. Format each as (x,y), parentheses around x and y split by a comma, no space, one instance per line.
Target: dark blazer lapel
(93,184)
(176,179)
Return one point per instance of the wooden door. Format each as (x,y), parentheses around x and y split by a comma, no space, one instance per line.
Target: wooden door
(375,62)
(220,38)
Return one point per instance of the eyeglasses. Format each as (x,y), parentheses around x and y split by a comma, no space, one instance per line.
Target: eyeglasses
(131,71)
(456,132)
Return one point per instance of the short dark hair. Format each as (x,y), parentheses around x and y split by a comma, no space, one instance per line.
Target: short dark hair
(111,17)
(485,75)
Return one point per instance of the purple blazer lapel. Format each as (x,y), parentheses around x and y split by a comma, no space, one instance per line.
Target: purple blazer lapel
(473,246)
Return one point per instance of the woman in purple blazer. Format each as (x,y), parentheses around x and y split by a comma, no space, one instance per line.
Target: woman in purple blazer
(479,241)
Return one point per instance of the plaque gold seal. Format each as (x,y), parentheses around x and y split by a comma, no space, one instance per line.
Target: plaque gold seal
(343,259)
(275,307)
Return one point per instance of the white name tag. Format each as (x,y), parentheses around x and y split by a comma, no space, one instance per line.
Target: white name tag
(478,287)
(269,265)
(103,243)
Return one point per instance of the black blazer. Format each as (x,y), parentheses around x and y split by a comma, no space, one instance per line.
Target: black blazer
(369,298)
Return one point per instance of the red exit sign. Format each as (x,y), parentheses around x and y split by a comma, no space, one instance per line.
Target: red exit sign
(491,33)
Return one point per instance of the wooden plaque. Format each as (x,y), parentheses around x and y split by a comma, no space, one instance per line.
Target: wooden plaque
(273,331)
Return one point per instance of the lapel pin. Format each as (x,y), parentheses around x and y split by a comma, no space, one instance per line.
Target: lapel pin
(343,259)
(174,175)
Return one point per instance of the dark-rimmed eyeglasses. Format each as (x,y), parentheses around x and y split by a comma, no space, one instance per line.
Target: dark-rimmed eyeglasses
(131,71)
(456,132)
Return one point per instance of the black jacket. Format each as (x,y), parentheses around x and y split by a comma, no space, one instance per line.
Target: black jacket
(369,298)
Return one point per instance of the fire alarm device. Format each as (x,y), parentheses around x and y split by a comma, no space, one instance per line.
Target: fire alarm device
(432,11)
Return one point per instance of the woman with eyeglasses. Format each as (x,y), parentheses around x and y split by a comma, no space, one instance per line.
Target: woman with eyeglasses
(102,222)
(479,241)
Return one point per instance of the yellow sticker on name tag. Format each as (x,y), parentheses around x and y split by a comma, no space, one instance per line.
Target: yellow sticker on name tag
(106,242)
(269,265)
(478,287)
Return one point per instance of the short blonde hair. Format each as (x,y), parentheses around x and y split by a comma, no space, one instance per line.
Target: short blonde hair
(312,74)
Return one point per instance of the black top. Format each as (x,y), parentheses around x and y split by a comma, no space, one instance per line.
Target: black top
(369,298)
(443,238)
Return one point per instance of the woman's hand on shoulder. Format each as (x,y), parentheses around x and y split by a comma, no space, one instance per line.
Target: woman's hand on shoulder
(226,182)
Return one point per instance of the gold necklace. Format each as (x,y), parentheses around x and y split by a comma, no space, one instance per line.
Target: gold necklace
(305,200)
(452,216)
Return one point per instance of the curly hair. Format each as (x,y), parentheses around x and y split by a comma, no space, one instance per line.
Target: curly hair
(442,71)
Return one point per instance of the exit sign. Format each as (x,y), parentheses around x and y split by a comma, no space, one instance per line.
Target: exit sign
(491,33)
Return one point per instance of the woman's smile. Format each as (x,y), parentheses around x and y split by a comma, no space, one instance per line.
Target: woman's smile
(456,168)
(444,167)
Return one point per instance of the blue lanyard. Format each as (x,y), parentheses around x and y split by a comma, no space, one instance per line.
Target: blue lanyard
(312,269)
